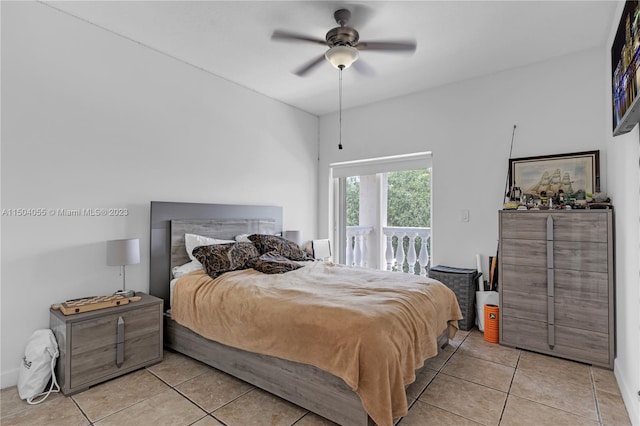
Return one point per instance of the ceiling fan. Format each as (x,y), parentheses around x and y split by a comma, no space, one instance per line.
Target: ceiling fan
(344,45)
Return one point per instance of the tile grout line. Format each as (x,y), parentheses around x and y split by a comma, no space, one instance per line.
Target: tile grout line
(510,382)
(174,388)
(209,413)
(554,407)
(169,386)
(303,416)
(595,395)
(81,410)
(433,378)
(515,370)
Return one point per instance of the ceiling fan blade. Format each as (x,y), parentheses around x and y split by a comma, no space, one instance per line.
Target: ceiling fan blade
(288,36)
(303,70)
(397,46)
(363,68)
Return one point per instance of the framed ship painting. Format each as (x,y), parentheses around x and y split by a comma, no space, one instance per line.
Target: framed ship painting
(576,174)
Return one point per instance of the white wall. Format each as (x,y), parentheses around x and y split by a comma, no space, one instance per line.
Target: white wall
(468,127)
(559,106)
(624,188)
(92,120)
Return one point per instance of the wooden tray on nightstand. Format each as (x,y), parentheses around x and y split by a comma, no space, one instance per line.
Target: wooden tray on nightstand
(94,303)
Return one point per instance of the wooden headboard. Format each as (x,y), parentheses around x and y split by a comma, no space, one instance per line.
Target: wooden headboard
(223,221)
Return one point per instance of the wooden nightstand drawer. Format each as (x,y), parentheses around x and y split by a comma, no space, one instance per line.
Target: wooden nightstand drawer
(99,345)
(93,344)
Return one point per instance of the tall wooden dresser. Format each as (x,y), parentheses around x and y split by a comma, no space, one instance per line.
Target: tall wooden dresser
(556,283)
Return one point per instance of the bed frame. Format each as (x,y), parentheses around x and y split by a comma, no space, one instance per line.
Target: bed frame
(304,385)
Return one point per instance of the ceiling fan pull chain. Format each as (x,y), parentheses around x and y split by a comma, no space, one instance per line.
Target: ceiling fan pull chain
(340,108)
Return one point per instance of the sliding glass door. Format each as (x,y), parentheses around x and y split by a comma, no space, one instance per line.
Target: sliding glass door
(383,219)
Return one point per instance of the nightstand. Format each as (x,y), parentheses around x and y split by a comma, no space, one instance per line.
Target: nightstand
(100,345)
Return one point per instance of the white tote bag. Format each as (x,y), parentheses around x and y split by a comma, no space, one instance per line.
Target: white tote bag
(38,367)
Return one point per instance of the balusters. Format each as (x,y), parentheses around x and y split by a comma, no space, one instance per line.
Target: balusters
(356,248)
(400,250)
(396,258)
(411,256)
(423,259)
(349,250)
(388,254)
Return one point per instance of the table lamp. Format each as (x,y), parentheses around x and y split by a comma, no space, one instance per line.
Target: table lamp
(121,253)
(294,236)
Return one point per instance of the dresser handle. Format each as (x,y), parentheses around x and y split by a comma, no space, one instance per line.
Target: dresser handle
(120,342)
(551,338)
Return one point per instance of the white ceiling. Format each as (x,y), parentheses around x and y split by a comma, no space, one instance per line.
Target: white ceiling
(456,40)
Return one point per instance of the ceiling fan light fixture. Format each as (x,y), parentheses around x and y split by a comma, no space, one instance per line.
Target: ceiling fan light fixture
(342,56)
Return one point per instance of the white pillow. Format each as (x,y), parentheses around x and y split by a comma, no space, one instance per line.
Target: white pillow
(181,270)
(192,241)
(243,238)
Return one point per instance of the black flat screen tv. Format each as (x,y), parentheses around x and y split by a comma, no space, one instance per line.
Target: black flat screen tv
(625,64)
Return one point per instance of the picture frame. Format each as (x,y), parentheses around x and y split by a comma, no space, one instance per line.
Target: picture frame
(576,174)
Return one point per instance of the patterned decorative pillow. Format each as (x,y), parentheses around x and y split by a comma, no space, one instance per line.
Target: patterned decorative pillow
(273,263)
(272,243)
(220,258)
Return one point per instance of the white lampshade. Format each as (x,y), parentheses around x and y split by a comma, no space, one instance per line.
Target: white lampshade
(123,252)
(342,56)
(295,236)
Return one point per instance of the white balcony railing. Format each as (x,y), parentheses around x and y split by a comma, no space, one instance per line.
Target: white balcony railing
(405,253)
(357,245)
(415,259)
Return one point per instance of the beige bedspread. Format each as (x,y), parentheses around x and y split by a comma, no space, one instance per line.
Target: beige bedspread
(371,328)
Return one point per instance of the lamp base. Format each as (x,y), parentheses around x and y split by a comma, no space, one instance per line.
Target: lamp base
(126,293)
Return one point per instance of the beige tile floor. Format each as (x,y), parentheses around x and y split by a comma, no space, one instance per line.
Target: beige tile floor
(471,382)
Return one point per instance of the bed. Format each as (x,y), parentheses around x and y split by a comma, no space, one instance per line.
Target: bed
(299,382)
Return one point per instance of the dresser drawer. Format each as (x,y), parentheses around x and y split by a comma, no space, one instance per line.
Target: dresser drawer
(94,346)
(581,314)
(584,285)
(580,256)
(523,225)
(581,226)
(524,333)
(524,305)
(580,345)
(567,226)
(583,345)
(525,279)
(523,252)
(92,350)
